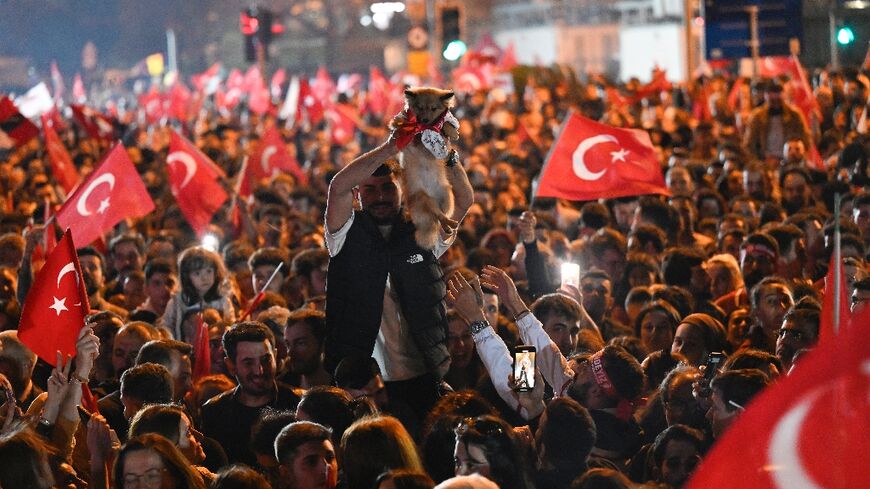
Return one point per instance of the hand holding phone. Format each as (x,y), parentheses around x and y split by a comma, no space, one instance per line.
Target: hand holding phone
(524,368)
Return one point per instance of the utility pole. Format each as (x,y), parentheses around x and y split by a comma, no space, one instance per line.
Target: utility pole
(754,43)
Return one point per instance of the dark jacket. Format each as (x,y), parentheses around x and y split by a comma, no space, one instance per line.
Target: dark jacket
(229,422)
(356,281)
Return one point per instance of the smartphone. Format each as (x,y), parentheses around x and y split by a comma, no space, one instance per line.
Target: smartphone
(714,362)
(711,368)
(524,368)
(571,274)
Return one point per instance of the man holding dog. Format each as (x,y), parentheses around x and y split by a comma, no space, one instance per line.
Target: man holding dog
(384,292)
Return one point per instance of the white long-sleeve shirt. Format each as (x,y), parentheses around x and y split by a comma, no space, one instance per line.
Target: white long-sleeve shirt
(550,363)
(497,359)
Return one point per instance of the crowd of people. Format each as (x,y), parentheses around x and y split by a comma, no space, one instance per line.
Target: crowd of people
(372,363)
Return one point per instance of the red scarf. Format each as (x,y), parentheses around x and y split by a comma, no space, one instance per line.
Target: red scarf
(410,127)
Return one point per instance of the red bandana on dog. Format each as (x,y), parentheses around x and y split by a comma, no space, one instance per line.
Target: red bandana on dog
(430,133)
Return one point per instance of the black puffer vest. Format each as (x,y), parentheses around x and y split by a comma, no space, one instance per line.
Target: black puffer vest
(355,287)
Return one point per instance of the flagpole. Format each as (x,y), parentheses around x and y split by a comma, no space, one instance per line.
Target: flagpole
(838,255)
(261,294)
(550,152)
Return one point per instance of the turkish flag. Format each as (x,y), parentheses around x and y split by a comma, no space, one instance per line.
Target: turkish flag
(259,99)
(111,193)
(226,100)
(154,103)
(62,167)
(179,101)
(266,160)
(658,84)
(508,59)
(207,82)
(56,305)
(201,350)
(469,79)
(809,430)
(192,181)
(272,155)
(323,87)
(94,123)
(378,95)
(343,122)
(17,127)
(590,161)
(311,105)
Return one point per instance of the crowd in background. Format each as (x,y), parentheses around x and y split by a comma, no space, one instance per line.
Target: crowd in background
(733,262)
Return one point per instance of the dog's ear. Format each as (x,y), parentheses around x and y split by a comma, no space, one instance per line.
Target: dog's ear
(410,94)
(447,96)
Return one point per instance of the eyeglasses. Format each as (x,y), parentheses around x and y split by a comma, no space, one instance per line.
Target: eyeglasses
(795,334)
(151,478)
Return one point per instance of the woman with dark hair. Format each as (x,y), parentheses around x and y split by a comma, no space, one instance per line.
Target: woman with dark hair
(25,458)
(374,445)
(439,438)
(153,461)
(172,423)
(333,408)
(656,324)
(486,445)
(240,477)
(697,336)
(404,479)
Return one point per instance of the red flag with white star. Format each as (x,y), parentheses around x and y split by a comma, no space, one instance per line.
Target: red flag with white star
(590,160)
(806,431)
(112,192)
(56,305)
(193,183)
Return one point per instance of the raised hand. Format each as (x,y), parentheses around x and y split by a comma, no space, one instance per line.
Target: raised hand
(58,387)
(87,349)
(463,298)
(102,440)
(497,280)
(526,226)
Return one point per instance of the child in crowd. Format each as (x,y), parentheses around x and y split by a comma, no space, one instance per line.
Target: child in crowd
(203,285)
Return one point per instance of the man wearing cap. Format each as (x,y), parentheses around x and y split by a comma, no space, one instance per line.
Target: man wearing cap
(773,124)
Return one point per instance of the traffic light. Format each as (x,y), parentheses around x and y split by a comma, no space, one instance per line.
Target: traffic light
(452,46)
(249,25)
(258,27)
(845,35)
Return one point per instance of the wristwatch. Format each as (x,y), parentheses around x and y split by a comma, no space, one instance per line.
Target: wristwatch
(478,326)
(452,159)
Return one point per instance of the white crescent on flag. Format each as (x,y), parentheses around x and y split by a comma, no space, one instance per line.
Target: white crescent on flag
(81,204)
(69,267)
(579,157)
(187,161)
(267,154)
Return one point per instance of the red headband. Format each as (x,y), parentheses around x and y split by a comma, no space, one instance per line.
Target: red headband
(600,374)
(752,248)
(624,407)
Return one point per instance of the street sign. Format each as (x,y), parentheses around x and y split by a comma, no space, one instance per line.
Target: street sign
(728,33)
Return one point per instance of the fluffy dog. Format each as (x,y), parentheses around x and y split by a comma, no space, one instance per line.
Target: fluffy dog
(423,131)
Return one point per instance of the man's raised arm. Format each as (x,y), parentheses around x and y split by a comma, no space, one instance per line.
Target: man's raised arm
(339,201)
(463,193)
